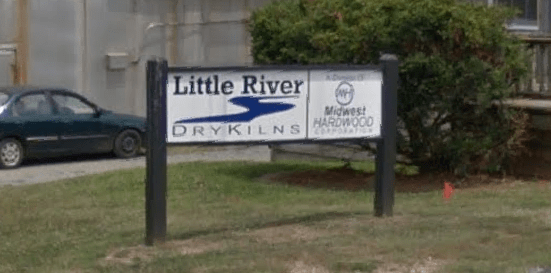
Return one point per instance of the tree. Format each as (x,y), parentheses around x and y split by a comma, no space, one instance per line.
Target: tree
(458,64)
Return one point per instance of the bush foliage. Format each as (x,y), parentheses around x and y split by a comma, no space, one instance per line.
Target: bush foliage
(457,62)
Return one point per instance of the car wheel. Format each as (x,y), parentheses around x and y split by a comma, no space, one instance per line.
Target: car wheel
(11,153)
(127,144)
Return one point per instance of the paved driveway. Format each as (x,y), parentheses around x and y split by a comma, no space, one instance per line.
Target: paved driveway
(40,172)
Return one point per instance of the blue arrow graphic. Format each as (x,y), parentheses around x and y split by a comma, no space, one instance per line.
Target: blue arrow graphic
(255,108)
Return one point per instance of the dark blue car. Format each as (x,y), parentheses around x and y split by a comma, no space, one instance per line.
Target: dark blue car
(44,122)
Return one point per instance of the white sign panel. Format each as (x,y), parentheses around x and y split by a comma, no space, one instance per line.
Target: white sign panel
(272,105)
(236,106)
(344,104)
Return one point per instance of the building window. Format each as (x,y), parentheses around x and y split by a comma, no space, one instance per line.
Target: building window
(528,19)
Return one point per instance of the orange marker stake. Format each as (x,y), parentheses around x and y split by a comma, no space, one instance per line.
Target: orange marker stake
(448,191)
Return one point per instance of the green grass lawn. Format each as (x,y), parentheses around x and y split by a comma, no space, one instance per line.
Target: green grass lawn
(221,218)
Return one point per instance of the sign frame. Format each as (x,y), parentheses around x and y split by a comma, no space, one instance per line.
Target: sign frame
(336,68)
(156,158)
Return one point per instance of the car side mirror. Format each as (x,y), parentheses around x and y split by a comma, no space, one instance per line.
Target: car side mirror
(98,112)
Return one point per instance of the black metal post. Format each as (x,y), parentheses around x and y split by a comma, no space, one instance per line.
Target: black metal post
(155,185)
(386,147)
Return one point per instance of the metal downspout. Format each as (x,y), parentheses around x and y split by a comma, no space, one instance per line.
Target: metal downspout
(22,41)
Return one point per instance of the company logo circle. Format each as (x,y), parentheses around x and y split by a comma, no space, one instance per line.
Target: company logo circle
(344,93)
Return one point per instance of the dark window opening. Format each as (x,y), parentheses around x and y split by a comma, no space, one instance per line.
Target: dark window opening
(528,8)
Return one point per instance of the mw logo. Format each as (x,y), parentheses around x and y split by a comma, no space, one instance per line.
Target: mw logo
(344,93)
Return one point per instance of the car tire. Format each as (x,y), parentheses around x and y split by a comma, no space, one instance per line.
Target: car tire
(127,144)
(11,153)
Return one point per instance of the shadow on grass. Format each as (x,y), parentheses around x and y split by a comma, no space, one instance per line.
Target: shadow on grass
(312,218)
(245,171)
(331,175)
(336,176)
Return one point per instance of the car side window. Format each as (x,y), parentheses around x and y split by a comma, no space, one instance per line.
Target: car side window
(3,98)
(70,105)
(29,105)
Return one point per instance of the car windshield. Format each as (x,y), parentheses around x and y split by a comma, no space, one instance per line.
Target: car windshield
(3,98)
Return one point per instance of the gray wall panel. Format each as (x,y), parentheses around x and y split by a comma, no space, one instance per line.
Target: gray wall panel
(224,44)
(191,50)
(151,44)
(190,38)
(258,3)
(106,32)
(6,61)
(214,34)
(53,43)
(225,10)
(7,21)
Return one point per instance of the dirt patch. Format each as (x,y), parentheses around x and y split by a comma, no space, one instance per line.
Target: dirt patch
(283,234)
(354,180)
(129,255)
(135,254)
(302,267)
(270,235)
(191,246)
(428,265)
(352,223)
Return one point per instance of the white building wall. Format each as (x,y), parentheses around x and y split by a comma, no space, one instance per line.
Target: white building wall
(7,21)
(7,41)
(54,47)
(69,40)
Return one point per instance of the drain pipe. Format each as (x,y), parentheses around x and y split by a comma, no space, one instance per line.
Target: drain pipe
(139,52)
(11,49)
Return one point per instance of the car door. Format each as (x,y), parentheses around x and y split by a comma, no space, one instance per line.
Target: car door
(83,130)
(33,118)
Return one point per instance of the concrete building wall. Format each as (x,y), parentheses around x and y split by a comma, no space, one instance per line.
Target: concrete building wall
(105,31)
(65,43)
(69,41)
(7,38)
(202,33)
(54,47)
(7,21)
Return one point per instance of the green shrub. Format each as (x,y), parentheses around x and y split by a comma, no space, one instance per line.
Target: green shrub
(456,61)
